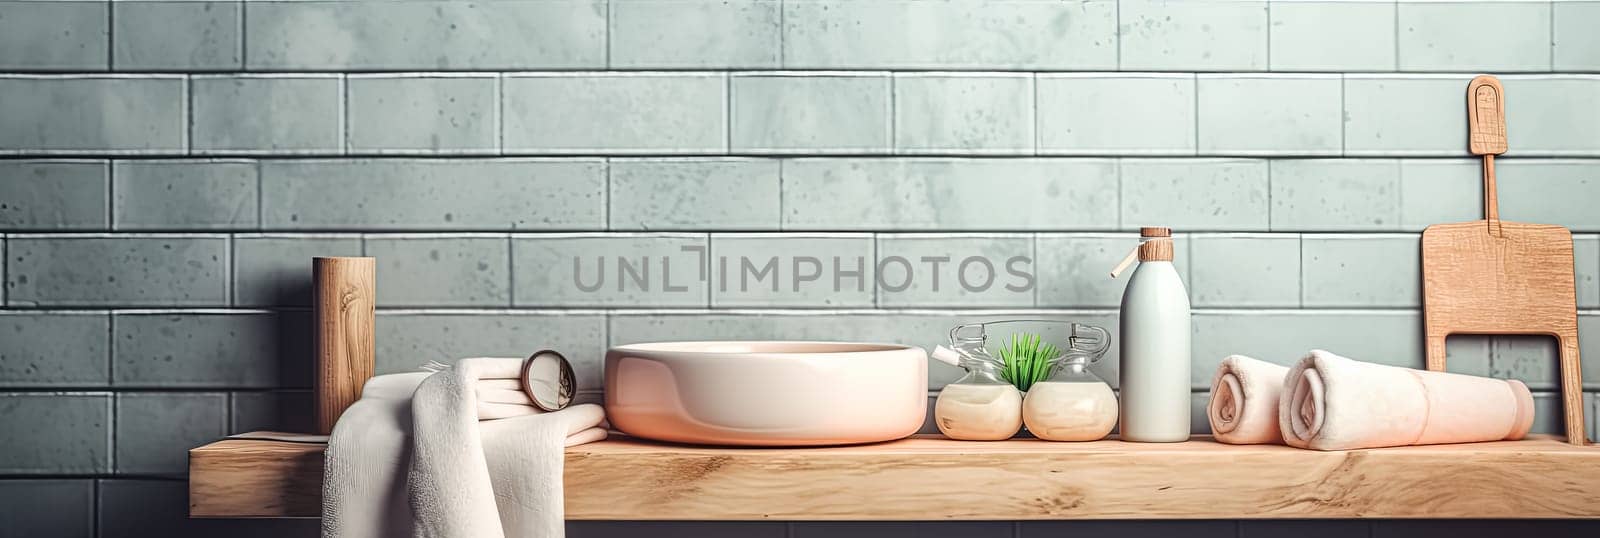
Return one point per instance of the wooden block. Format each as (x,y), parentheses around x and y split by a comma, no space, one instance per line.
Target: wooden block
(933,478)
(252,479)
(343,307)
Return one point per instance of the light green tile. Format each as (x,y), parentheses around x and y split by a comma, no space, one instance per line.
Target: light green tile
(64,36)
(390,114)
(53,195)
(902,34)
(1336,195)
(442,271)
(1269,115)
(228,114)
(739,34)
(1167,35)
(433,34)
(963,114)
(190,36)
(92,113)
(1091,114)
(1355,270)
(810,114)
(1261,271)
(1470,36)
(949,194)
(1195,195)
(188,195)
(694,194)
(622,113)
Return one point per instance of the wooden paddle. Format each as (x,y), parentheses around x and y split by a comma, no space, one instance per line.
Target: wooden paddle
(1493,277)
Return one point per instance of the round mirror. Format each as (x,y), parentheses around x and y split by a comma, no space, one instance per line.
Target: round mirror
(547,379)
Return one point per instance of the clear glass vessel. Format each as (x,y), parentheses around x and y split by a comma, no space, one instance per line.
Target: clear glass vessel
(1072,404)
(1051,357)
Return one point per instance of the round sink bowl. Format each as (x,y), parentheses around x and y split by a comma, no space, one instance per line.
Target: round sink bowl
(767,393)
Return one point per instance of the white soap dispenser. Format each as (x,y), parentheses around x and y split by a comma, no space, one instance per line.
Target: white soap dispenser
(1155,344)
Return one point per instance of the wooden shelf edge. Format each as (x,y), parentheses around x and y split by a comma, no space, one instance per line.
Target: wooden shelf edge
(930,478)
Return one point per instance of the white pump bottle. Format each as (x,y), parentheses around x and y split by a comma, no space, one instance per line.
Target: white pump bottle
(1155,345)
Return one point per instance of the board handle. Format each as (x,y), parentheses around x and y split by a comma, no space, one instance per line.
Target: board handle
(1486,126)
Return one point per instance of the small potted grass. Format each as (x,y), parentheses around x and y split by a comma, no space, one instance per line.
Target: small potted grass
(1026,360)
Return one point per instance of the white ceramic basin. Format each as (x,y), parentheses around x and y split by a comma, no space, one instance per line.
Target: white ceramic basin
(767,393)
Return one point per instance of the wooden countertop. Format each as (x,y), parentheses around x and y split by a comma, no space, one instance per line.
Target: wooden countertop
(932,478)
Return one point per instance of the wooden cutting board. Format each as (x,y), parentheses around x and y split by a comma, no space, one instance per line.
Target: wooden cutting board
(1494,277)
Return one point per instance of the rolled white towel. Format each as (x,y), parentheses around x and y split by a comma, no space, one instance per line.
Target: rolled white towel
(1244,401)
(1333,403)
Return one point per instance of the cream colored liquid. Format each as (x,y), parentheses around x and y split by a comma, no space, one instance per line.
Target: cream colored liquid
(978,412)
(1058,411)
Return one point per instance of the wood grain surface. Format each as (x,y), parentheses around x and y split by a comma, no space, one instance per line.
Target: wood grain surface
(932,478)
(1496,277)
(343,305)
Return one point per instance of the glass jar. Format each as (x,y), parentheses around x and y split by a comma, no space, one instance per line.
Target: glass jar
(991,401)
(981,406)
(1071,404)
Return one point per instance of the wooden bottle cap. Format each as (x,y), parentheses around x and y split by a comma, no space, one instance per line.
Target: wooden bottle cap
(1156,250)
(1155,231)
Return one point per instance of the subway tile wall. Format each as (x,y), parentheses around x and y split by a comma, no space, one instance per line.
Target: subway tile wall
(167,169)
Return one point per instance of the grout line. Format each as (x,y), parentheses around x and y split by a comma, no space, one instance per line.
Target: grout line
(498,113)
(111,36)
(511,272)
(893,144)
(727,113)
(115,403)
(1343,124)
(1033,241)
(110,177)
(111,351)
(782,222)
(1033,115)
(243,7)
(1196,80)
(186,95)
(1118,34)
(500,109)
(261,185)
(1300,259)
(1585,156)
(605,195)
(94,506)
(344,113)
(609,26)
(1268,166)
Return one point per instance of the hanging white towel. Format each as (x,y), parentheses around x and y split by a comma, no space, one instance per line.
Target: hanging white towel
(413,458)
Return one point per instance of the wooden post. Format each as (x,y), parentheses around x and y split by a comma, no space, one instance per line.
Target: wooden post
(343,298)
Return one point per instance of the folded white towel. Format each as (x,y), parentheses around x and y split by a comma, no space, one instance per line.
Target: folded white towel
(1244,401)
(1334,403)
(499,385)
(415,456)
